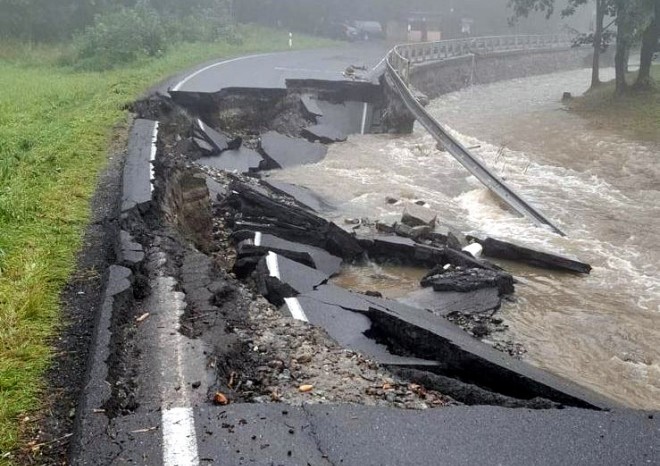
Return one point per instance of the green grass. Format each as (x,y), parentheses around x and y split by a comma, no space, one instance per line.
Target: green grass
(55,129)
(635,114)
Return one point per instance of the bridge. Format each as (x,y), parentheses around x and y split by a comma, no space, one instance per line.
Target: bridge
(402,58)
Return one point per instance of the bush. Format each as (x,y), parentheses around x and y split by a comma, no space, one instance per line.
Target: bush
(120,37)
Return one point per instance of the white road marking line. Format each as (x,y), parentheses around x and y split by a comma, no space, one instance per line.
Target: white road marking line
(296,309)
(206,68)
(257,239)
(177,415)
(152,156)
(364,117)
(179,437)
(273,266)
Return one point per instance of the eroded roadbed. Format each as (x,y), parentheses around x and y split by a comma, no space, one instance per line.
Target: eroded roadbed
(222,340)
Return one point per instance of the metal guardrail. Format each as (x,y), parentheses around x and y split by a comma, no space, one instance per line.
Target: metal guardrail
(410,54)
(399,61)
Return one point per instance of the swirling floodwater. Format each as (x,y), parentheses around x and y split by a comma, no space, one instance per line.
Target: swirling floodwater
(603,190)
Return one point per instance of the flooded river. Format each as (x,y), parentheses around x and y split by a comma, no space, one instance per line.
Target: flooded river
(602,330)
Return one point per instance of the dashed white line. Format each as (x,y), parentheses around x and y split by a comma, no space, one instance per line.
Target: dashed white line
(206,68)
(179,437)
(257,239)
(296,309)
(273,266)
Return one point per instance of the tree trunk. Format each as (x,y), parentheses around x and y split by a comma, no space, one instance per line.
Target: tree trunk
(622,47)
(598,39)
(620,65)
(649,43)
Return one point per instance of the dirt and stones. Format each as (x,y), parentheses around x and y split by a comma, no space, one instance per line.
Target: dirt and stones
(297,354)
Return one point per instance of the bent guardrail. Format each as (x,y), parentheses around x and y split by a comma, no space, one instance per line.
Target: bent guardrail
(399,61)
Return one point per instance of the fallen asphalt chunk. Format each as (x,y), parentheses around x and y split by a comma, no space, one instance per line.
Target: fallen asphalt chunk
(415,216)
(261,243)
(216,140)
(290,152)
(471,279)
(323,133)
(503,250)
(278,278)
(311,105)
(242,160)
(260,211)
(431,337)
(427,336)
(349,329)
(485,300)
(303,196)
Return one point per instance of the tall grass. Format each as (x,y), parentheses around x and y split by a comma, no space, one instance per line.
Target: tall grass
(55,127)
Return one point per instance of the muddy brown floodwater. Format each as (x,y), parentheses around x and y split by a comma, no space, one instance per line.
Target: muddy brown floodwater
(602,330)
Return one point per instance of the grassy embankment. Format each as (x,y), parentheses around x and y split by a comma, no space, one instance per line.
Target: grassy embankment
(55,127)
(634,115)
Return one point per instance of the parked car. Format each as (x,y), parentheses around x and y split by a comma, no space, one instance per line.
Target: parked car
(369,30)
(342,31)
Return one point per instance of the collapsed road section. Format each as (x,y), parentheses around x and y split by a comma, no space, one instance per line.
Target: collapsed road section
(223,340)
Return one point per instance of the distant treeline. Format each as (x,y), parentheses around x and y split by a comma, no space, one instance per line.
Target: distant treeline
(313,16)
(50,20)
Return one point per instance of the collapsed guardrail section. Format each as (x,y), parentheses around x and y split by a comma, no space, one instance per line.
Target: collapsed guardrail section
(399,62)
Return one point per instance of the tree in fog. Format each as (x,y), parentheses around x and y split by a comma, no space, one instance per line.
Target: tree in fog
(650,39)
(633,19)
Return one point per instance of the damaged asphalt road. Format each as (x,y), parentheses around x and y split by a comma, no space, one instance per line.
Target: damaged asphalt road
(205,354)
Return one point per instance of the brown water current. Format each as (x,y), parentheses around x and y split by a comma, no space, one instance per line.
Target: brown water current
(601,330)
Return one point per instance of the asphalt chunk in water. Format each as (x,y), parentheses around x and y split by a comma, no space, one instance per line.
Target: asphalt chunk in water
(289,152)
(242,160)
(481,301)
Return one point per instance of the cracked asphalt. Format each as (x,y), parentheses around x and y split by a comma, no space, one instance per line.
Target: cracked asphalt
(278,434)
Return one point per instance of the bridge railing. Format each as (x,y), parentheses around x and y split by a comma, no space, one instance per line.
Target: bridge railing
(405,55)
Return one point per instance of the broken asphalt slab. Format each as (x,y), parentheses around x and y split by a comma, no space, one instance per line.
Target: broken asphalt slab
(323,133)
(483,301)
(290,152)
(137,169)
(502,250)
(217,141)
(303,196)
(427,336)
(349,329)
(278,278)
(242,160)
(261,243)
(346,117)
(259,211)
